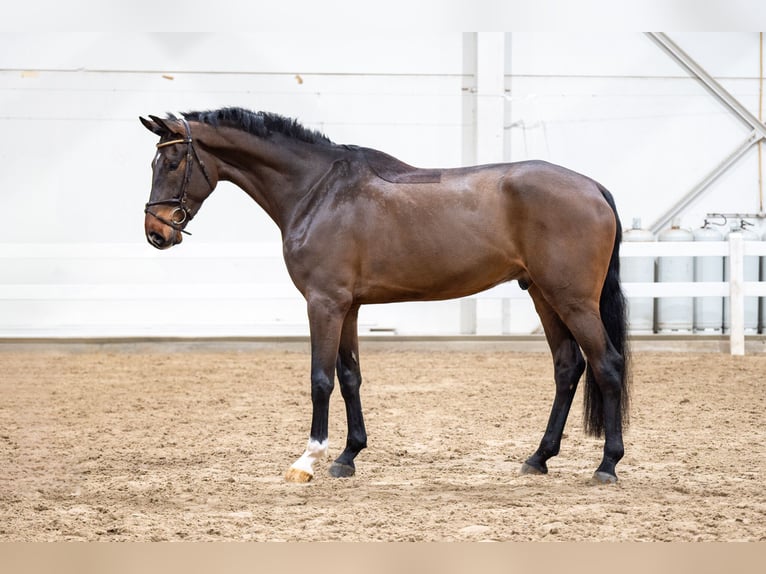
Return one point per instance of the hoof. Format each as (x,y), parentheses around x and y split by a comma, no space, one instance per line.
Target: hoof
(604,478)
(297,475)
(339,470)
(527,468)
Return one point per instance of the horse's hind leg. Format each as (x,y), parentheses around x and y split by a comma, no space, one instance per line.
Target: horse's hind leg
(568,365)
(604,382)
(350,378)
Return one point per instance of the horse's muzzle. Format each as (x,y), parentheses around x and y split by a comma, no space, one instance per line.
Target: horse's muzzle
(161,236)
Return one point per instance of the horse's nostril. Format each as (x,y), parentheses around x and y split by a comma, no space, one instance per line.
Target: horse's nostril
(156,239)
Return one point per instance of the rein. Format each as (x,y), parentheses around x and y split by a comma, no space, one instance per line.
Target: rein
(181,214)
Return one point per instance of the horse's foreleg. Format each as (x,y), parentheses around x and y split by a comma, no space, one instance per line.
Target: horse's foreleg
(325,320)
(350,378)
(568,365)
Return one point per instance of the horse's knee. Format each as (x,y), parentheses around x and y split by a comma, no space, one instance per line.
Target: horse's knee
(349,387)
(321,386)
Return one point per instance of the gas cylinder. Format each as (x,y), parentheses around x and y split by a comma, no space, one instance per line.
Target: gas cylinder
(708,311)
(638,270)
(675,314)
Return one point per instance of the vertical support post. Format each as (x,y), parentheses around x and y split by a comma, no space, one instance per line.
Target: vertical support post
(488,135)
(468,153)
(505,328)
(737,294)
(468,316)
(490,96)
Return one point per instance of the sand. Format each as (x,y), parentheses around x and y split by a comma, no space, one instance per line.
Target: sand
(168,445)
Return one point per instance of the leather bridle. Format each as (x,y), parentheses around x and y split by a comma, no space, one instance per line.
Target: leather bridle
(181,214)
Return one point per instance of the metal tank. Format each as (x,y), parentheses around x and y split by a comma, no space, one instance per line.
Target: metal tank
(752,271)
(708,311)
(638,270)
(675,314)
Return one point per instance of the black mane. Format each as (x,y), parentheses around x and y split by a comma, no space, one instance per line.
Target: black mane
(261,124)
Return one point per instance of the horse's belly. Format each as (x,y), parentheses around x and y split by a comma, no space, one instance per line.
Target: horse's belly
(435,276)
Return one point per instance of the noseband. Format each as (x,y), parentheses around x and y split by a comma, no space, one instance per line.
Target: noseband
(181,214)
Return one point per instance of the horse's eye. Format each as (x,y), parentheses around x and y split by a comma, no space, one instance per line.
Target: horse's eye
(172,161)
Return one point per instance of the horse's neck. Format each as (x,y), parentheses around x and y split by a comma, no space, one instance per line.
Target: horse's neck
(274,172)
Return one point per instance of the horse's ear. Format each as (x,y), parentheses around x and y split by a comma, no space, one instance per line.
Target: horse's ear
(154,126)
(163,127)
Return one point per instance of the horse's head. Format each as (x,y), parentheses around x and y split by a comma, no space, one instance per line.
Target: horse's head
(181,181)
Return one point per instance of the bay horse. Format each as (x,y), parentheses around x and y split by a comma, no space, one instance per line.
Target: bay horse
(360,227)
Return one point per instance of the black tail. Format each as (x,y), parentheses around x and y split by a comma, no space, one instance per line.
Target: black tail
(614,316)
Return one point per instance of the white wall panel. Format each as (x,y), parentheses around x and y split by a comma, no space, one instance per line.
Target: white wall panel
(85,126)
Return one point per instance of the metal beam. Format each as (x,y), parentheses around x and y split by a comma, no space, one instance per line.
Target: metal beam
(710,84)
(757,134)
(664,220)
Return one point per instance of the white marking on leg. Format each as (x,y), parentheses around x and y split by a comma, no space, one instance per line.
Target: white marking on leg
(314,451)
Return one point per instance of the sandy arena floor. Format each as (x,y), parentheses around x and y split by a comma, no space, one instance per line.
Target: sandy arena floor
(193,446)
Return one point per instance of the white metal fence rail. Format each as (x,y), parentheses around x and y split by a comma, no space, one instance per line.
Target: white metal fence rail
(33,279)
(735,288)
